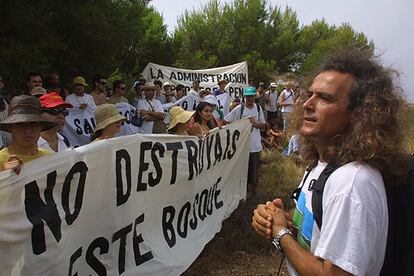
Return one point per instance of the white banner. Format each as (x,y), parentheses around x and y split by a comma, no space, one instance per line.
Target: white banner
(236,74)
(79,125)
(132,205)
(128,111)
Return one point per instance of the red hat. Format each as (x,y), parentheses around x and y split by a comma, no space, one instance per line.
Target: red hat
(52,100)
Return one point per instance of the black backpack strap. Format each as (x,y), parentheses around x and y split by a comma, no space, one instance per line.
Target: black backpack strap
(258,112)
(296,192)
(317,187)
(241,111)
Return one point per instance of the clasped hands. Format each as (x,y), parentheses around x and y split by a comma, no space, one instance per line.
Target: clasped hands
(268,219)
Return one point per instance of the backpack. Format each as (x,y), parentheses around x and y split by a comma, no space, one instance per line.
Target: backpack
(399,254)
(242,110)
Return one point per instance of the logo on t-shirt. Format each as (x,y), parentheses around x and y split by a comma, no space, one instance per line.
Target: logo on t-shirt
(303,222)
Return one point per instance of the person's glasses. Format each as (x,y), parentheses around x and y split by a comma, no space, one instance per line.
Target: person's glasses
(122,88)
(102,82)
(56,111)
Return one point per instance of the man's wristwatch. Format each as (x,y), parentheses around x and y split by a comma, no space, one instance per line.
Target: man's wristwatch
(279,235)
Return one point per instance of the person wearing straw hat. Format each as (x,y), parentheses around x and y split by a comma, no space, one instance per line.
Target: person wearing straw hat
(108,122)
(25,124)
(151,110)
(78,99)
(222,85)
(179,120)
(54,109)
(38,91)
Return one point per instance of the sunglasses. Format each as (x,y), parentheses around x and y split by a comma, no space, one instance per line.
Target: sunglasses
(56,111)
(122,88)
(102,82)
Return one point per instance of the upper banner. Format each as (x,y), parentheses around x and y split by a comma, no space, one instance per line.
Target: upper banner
(132,205)
(236,74)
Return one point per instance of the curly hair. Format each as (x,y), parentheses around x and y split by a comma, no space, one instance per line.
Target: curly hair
(375,135)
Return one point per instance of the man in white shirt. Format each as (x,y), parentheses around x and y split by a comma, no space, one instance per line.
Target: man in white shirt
(255,114)
(54,110)
(195,89)
(287,102)
(340,128)
(150,109)
(78,99)
(272,98)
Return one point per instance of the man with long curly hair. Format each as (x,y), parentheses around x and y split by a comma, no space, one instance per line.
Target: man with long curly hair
(350,120)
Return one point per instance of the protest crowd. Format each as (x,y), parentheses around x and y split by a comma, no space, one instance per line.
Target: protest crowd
(337,131)
(154,113)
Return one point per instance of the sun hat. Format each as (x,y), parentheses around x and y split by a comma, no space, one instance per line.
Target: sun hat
(179,115)
(79,80)
(148,86)
(249,91)
(222,80)
(52,100)
(211,99)
(38,91)
(25,109)
(273,85)
(106,114)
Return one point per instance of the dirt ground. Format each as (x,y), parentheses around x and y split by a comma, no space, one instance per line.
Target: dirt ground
(237,250)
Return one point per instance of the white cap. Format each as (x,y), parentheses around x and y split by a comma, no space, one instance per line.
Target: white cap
(166,83)
(273,84)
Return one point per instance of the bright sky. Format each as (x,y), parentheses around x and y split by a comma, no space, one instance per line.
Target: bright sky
(388,23)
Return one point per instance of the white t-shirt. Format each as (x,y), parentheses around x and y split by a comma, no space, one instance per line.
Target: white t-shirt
(147,126)
(76,101)
(255,138)
(273,98)
(354,221)
(42,143)
(288,99)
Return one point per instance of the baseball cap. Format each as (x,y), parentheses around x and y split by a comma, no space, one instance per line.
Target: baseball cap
(52,100)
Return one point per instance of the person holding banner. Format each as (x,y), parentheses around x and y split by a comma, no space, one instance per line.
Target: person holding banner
(108,122)
(150,109)
(79,99)
(255,114)
(25,124)
(204,117)
(54,109)
(179,121)
(195,89)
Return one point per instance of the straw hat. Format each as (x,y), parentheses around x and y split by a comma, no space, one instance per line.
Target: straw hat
(38,91)
(148,86)
(79,80)
(179,115)
(222,81)
(25,109)
(106,114)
